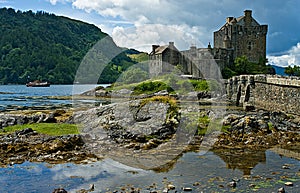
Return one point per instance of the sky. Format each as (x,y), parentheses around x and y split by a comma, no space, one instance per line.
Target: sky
(140,23)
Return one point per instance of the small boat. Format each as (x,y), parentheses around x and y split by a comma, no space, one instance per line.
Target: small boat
(38,84)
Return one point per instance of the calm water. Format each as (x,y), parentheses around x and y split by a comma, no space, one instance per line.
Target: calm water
(20,96)
(207,173)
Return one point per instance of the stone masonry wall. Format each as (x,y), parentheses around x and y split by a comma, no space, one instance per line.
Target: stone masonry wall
(274,93)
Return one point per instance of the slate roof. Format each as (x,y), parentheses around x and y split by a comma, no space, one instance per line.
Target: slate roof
(161,49)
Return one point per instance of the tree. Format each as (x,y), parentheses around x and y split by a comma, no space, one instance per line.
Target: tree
(289,71)
(241,65)
(292,71)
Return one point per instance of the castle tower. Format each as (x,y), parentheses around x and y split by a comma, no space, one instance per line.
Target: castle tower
(244,36)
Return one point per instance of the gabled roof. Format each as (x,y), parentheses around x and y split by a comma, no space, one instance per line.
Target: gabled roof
(161,49)
(240,20)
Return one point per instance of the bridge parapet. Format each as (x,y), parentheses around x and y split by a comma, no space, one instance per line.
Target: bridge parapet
(271,92)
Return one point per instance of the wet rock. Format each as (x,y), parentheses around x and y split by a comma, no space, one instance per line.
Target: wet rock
(166,190)
(187,189)
(24,131)
(232,184)
(285,167)
(137,121)
(281,190)
(59,190)
(16,148)
(289,184)
(162,93)
(171,187)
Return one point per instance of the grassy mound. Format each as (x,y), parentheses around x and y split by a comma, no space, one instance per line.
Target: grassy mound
(54,129)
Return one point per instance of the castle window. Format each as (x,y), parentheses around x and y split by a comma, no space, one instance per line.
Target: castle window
(249,46)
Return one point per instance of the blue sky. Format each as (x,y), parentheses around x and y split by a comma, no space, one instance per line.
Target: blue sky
(138,24)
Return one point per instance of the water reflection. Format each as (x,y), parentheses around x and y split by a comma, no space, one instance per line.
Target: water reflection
(242,159)
(213,170)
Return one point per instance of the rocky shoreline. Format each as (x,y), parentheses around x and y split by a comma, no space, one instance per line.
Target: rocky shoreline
(148,133)
(27,145)
(141,128)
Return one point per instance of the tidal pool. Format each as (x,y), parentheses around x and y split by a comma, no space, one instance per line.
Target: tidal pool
(254,171)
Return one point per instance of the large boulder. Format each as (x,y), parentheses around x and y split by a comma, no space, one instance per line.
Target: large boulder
(123,123)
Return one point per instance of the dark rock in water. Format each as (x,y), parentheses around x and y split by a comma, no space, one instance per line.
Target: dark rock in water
(24,131)
(59,190)
(281,190)
(232,184)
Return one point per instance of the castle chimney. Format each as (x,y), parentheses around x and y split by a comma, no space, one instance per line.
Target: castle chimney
(248,17)
(171,44)
(229,19)
(248,13)
(154,48)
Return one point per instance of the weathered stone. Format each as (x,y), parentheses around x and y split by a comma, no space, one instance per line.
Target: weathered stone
(171,187)
(187,189)
(269,92)
(129,121)
(232,184)
(281,190)
(289,184)
(59,190)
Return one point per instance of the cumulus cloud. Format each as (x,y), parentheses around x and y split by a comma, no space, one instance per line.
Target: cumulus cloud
(143,36)
(291,58)
(204,15)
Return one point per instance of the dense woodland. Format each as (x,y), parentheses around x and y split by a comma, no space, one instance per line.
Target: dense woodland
(43,46)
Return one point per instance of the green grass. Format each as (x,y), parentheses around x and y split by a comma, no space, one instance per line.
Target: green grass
(150,87)
(168,82)
(54,129)
(139,57)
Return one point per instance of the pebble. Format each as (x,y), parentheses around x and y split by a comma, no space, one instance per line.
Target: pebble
(232,184)
(285,167)
(281,190)
(171,187)
(187,189)
(289,184)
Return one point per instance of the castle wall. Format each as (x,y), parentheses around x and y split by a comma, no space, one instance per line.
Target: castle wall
(266,92)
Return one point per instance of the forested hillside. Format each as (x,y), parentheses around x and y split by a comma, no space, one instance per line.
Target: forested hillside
(48,47)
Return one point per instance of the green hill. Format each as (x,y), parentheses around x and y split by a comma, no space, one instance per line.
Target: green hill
(48,47)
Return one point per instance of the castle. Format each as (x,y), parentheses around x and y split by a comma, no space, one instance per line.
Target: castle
(242,36)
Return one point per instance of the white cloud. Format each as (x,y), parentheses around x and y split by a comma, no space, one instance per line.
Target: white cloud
(290,59)
(54,2)
(143,36)
(206,15)
(3,1)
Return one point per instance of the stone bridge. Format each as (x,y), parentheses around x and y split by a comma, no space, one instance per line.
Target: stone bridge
(270,92)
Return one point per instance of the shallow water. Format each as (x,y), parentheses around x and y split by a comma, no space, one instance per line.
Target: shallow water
(15,97)
(259,171)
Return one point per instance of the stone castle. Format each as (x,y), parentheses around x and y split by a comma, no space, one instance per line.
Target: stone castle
(242,36)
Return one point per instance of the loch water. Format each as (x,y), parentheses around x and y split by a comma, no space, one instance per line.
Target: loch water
(259,171)
(20,97)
